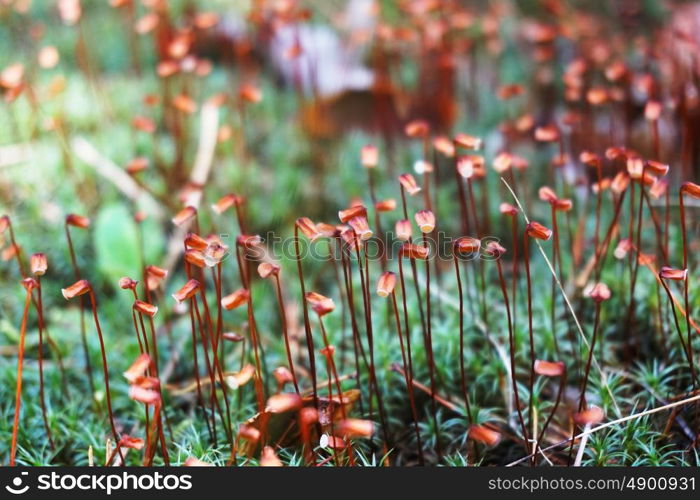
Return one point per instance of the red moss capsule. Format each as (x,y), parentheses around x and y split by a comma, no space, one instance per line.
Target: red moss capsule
(154,276)
(240,378)
(659,188)
(467,244)
(690,188)
(620,182)
(652,110)
(485,435)
(597,96)
(184,215)
(409,184)
(622,249)
(196,242)
(417,129)
(250,93)
(29,283)
(538,231)
(385,205)
(188,291)
(268,458)
(502,162)
(235,299)
(266,269)
(320,304)
(563,205)
(126,283)
(547,194)
(249,433)
(549,133)
(656,168)
(38,264)
(598,292)
(386,284)
(136,165)
(78,288)
(195,257)
(494,249)
(361,227)
(233,337)
(509,91)
(589,158)
(444,145)
(333,442)
(143,124)
(145,308)
(549,368)
(138,368)
(308,228)
(403,229)
(283,402)
(413,251)
(77,221)
(590,416)
(355,428)
(146,396)
(369,156)
(354,211)
(133,443)
(282,375)
(195,462)
(508,209)
(425,219)
(670,273)
(468,141)
(226,202)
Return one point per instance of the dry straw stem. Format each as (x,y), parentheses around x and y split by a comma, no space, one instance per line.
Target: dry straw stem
(603,377)
(87,153)
(209,124)
(610,424)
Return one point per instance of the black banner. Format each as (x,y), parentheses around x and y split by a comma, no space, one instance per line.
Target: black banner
(185,482)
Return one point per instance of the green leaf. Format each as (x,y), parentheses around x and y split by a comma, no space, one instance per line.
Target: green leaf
(117,245)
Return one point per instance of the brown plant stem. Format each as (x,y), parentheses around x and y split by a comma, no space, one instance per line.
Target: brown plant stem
(18,384)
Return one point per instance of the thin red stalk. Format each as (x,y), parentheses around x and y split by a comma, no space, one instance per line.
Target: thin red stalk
(562,384)
(409,383)
(414,270)
(105,371)
(462,371)
(83,334)
(357,345)
(213,400)
(688,357)
(591,350)
(598,206)
(635,264)
(285,332)
(531,382)
(511,341)
(407,330)
(370,336)
(253,335)
(429,349)
(687,278)
(200,398)
(18,385)
(42,397)
(307,325)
